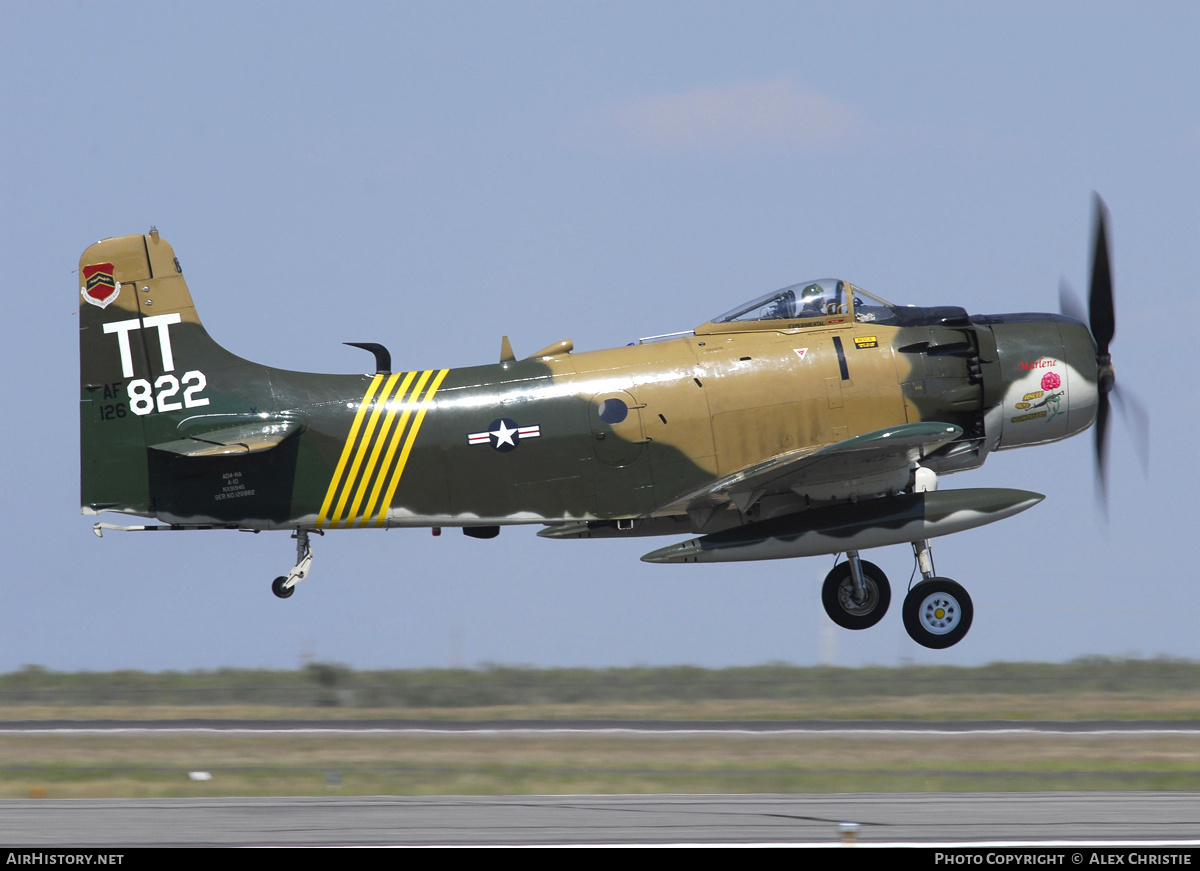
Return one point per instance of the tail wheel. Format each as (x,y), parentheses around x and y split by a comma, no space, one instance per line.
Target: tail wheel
(938,613)
(852,611)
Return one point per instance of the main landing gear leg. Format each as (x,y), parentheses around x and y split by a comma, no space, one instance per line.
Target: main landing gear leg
(284,585)
(924,560)
(937,611)
(856,593)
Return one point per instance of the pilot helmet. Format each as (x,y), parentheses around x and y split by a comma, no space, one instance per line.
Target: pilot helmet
(811,297)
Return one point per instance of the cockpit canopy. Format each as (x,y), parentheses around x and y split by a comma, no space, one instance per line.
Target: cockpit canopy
(807,304)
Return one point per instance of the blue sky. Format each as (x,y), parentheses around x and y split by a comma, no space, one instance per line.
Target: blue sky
(435,175)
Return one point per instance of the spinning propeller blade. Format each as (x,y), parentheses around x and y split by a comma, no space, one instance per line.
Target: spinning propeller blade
(1102,323)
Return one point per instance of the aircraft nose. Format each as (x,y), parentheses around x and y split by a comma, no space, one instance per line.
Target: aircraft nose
(1049,374)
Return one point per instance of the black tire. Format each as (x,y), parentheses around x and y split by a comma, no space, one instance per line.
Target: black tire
(938,613)
(837,595)
(279,590)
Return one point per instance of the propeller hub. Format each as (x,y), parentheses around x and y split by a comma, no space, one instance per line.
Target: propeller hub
(1106,375)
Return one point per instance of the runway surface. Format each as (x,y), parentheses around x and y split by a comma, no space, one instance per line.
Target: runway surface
(935,818)
(916,818)
(640,727)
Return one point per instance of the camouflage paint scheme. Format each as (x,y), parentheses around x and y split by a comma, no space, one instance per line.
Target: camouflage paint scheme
(722,426)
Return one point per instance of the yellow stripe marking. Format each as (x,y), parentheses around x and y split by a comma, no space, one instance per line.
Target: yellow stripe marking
(368,434)
(337,474)
(408,443)
(365,478)
(397,435)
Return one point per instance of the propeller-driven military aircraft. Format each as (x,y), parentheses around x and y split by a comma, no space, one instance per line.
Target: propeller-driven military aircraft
(816,419)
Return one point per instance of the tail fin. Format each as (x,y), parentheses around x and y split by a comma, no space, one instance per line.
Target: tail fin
(148,372)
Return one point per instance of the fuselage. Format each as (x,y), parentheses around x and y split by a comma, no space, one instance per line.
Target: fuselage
(175,427)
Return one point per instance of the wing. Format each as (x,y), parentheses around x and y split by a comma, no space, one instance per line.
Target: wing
(873,457)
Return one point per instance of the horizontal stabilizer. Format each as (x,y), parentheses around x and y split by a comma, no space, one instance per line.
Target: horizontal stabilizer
(245,438)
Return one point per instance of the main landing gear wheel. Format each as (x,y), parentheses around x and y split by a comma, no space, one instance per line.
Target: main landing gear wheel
(856,612)
(278,588)
(938,613)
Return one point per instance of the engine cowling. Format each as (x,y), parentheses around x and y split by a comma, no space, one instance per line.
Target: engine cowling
(1047,374)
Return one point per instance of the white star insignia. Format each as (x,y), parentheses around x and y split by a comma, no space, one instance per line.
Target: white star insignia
(504,435)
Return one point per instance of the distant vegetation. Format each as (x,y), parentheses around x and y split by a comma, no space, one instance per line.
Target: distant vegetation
(133,763)
(333,685)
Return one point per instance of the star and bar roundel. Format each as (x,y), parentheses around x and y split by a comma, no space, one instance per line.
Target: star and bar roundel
(504,435)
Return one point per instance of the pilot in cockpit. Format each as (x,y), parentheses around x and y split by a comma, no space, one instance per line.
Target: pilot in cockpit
(812,301)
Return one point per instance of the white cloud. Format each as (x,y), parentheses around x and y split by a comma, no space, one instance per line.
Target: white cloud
(779,114)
